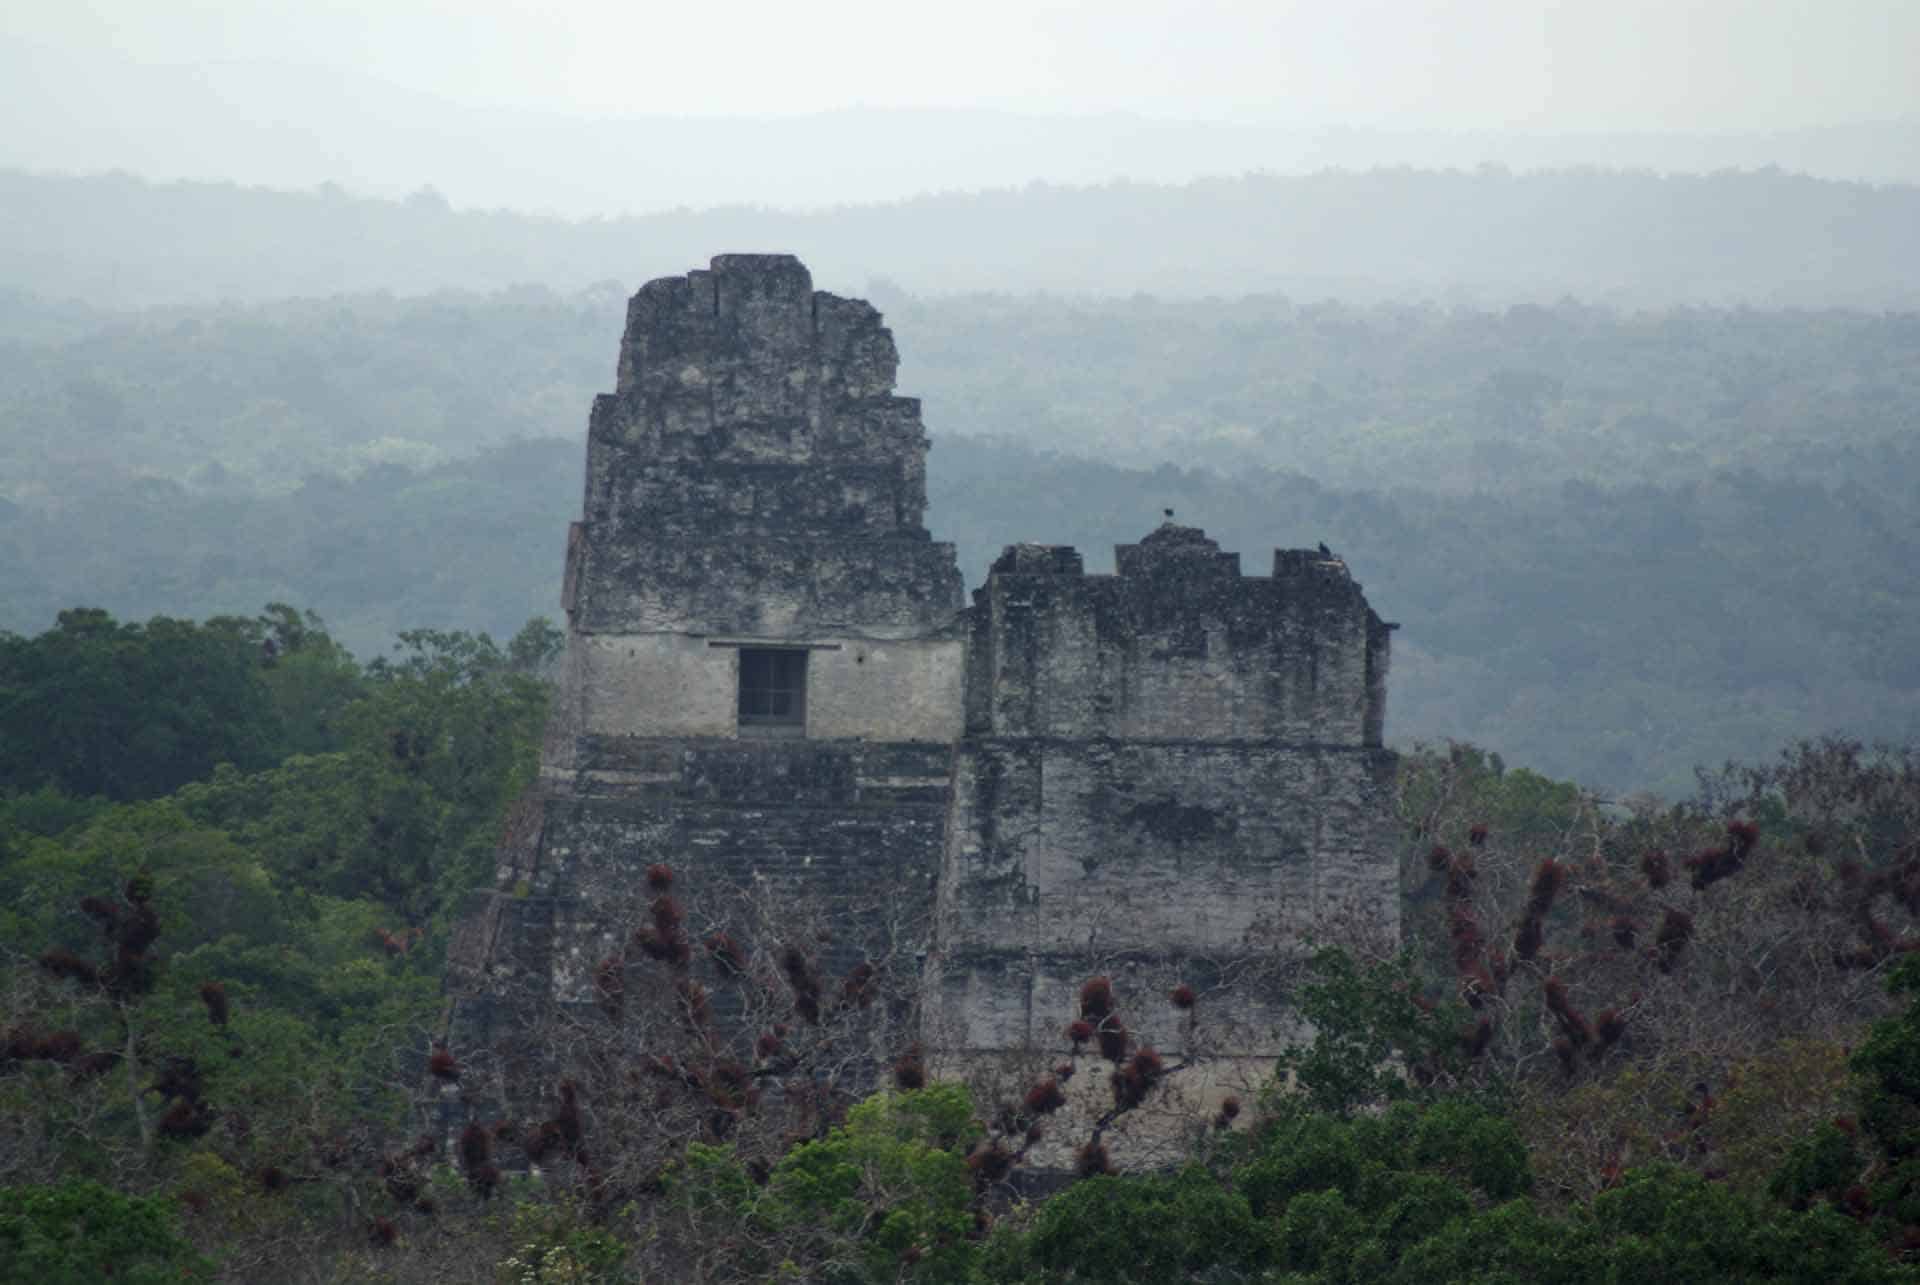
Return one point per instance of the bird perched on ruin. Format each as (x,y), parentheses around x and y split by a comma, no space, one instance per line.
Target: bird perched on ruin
(1325,552)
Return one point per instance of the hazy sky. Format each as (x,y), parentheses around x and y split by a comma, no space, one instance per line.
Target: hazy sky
(1582,65)
(587,107)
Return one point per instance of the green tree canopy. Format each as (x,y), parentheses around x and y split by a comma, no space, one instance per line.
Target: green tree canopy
(130,711)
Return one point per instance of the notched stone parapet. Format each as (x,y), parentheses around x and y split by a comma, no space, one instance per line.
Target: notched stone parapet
(1178,644)
(1175,551)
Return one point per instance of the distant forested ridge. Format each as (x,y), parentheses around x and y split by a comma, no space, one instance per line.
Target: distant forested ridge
(1455,399)
(1761,237)
(1614,634)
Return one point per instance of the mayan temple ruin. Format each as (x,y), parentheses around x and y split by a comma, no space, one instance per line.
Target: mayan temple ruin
(775,688)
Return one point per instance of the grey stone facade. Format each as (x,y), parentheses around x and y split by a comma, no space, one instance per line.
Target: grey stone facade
(1172,763)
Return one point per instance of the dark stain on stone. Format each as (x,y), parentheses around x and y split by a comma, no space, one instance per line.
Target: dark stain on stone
(1171,821)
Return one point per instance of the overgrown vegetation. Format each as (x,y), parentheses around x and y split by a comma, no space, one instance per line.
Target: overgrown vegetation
(229,855)
(1672,1041)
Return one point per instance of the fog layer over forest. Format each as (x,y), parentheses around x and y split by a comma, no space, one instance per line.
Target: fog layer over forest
(1630,521)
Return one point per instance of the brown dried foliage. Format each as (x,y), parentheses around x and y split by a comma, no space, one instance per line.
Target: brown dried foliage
(1045,1097)
(214,996)
(1548,878)
(909,1071)
(1657,869)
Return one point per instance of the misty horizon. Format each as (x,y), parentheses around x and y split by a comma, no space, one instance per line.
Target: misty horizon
(607,111)
(550,165)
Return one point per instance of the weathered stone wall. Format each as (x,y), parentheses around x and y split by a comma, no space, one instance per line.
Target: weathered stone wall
(804,834)
(752,481)
(833,824)
(1067,857)
(1173,772)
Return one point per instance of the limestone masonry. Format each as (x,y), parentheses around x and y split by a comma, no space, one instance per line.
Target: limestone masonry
(773,683)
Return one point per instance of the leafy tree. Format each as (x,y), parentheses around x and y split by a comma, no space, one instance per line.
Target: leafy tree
(1664,1223)
(311,678)
(1660,1223)
(1299,1151)
(889,1187)
(44,813)
(1890,1059)
(194,1013)
(129,711)
(1418,1194)
(445,739)
(1868,1166)
(554,1243)
(77,1232)
(1372,1041)
(432,749)
(1186,1226)
(886,1196)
